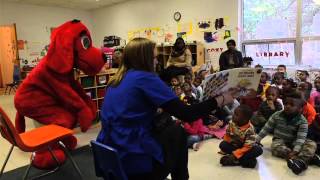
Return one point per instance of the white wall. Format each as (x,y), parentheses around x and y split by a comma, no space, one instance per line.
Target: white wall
(33,22)
(131,15)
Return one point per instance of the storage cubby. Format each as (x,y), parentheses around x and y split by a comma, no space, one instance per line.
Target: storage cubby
(95,86)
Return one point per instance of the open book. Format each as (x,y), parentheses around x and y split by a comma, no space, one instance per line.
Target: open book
(242,78)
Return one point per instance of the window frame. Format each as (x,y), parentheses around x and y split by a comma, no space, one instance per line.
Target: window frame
(298,40)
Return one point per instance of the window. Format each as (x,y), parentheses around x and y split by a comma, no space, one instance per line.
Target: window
(311,53)
(271,26)
(311,18)
(269,19)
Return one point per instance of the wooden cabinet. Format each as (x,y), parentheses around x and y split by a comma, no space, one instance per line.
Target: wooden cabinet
(197,51)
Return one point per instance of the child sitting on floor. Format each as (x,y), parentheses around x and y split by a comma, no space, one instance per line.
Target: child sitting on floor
(188,79)
(308,110)
(197,131)
(188,96)
(305,88)
(178,91)
(267,108)
(263,85)
(303,75)
(277,79)
(314,99)
(314,134)
(239,141)
(174,81)
(290,130)
(288,86)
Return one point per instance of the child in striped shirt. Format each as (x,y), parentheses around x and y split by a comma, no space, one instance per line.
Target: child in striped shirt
(290,130)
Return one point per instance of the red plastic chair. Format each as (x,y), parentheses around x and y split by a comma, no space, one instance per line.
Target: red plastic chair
(34,140)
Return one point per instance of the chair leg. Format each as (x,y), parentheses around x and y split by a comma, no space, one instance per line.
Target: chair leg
(6,160)
(5,91)
(71,159)
(10,90)
(44,174)
(25,176)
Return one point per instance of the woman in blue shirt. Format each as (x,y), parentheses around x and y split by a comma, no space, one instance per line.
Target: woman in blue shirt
(132,98)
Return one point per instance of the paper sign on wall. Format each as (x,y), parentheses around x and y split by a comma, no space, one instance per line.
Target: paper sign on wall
(185,27)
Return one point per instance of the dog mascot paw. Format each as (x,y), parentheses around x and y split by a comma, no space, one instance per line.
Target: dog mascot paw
(51,95)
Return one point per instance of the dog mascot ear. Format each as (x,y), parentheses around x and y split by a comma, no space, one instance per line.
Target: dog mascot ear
(72,47)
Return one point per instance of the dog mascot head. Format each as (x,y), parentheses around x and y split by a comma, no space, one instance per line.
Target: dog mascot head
(71,46)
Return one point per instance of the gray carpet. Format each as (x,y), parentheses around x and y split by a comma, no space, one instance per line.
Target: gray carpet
(83,157)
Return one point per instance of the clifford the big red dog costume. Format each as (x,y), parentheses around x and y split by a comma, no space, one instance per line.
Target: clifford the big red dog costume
(51,95)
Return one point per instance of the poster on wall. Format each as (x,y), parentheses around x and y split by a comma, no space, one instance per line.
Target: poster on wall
(205,26)
(149,33)
(185,27)
(210,37)
(212,54)
(32,53)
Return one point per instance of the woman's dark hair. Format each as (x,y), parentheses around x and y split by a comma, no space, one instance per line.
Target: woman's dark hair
(178,40)
(138,55)
(176,50)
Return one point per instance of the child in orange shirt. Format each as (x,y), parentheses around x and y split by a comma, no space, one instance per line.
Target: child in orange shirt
(309,111)
(239,142)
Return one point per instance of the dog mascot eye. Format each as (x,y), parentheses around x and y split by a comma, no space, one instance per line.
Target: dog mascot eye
(85,41)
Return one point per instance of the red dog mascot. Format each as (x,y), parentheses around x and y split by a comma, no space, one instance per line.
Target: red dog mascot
(51,95)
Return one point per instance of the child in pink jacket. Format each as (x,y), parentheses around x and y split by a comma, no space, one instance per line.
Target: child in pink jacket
(199,132)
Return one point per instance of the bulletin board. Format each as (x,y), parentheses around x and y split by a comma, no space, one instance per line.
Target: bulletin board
(213,32)
(31,52)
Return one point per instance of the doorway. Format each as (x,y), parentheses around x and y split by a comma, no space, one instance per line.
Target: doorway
(8,53)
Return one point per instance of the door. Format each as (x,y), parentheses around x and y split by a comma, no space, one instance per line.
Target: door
(8,53)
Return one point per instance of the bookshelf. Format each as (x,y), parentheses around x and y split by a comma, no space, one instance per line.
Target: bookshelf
(95,86)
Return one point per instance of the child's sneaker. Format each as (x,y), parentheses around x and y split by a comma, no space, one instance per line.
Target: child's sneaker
(229,160)
(222,152)
(296,165)
(315,160)
(196,146)
(249,163)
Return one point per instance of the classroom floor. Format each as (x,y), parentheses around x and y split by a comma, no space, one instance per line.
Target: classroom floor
(203,164)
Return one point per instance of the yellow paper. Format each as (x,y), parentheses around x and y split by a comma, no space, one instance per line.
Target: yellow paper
(185,27)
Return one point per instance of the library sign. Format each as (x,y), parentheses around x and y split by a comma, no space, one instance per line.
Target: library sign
(273,54)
